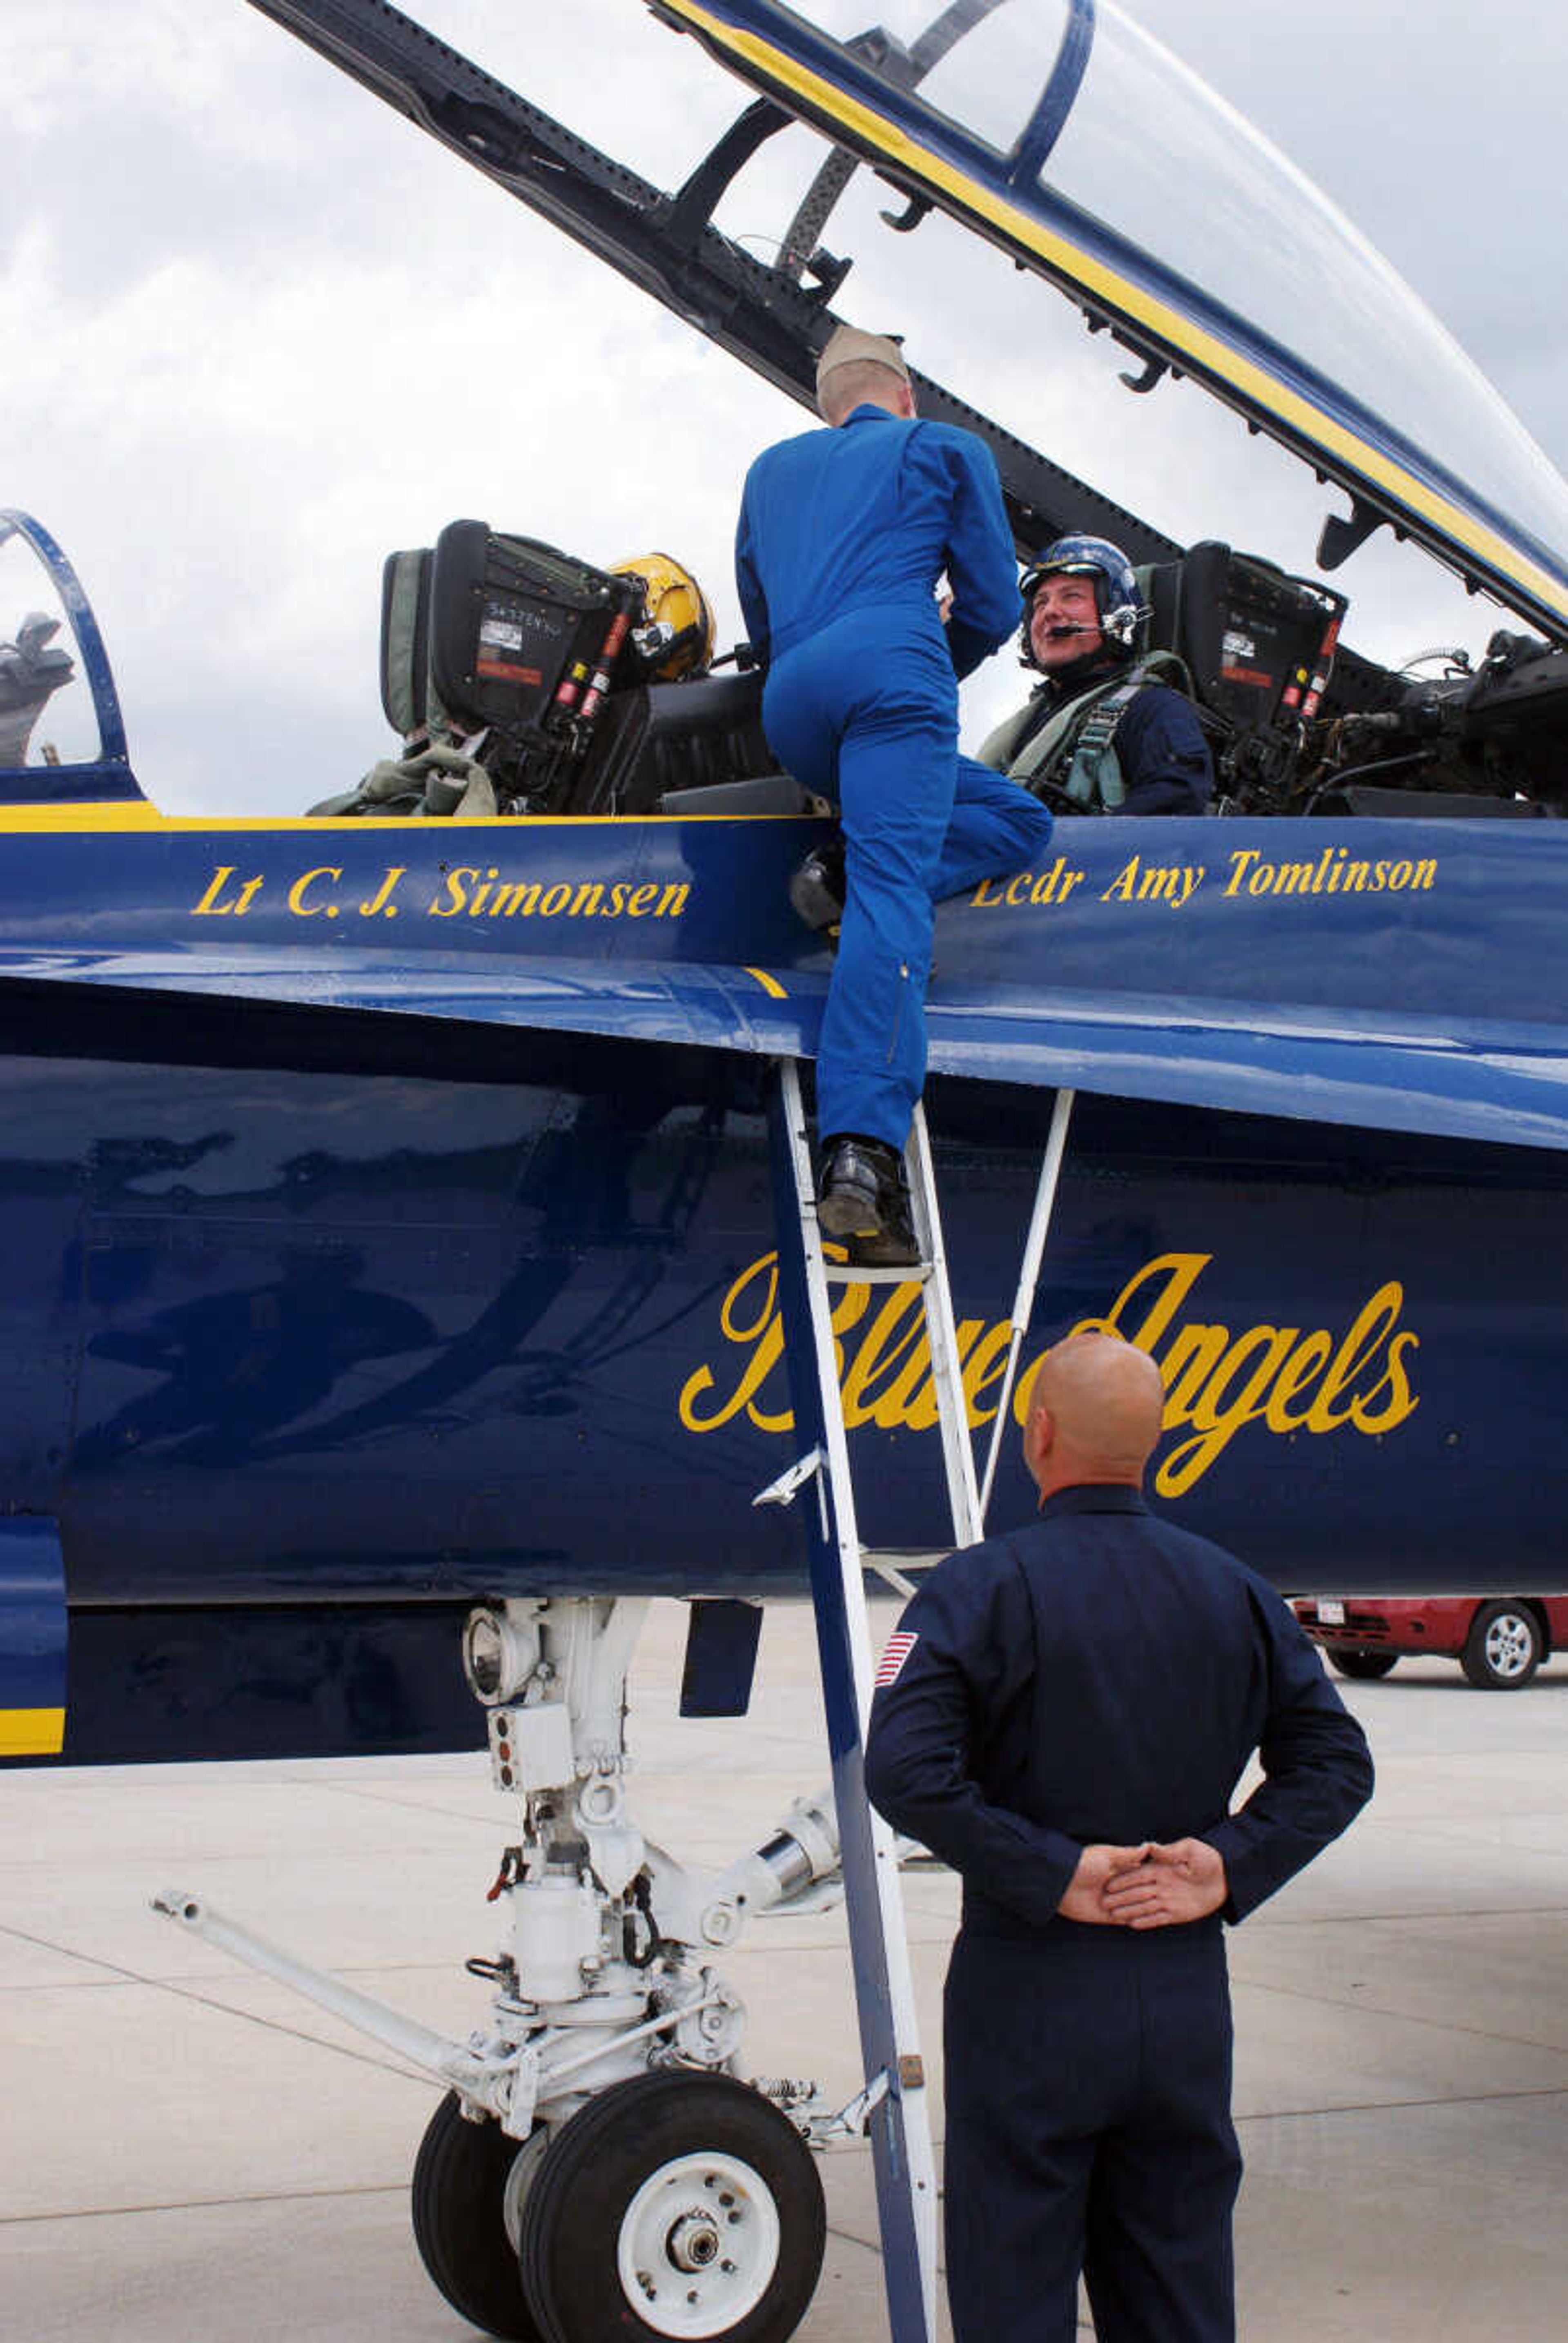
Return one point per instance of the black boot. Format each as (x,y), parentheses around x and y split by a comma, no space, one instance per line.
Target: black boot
(817,889)
(864,1201)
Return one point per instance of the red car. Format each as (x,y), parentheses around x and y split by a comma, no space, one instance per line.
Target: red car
(1498,1641)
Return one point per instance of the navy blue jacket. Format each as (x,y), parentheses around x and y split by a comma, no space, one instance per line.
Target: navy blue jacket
(1103,1676)
(868,516)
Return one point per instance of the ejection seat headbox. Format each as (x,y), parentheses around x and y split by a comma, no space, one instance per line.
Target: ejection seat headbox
(517,630)
(406,643)
(1257,642)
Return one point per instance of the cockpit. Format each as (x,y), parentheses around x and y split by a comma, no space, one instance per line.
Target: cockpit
(47,720)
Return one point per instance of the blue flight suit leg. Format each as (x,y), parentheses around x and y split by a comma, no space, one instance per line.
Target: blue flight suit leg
(865,712)
(1088,2098)
(997,827)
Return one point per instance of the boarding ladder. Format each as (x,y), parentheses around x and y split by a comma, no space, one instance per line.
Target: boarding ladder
(895,2099)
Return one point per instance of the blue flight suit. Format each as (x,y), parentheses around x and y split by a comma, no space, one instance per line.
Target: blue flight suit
(843,534)
(1099,1676)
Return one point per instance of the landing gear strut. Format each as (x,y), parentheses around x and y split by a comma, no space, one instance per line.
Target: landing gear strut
(598,2167)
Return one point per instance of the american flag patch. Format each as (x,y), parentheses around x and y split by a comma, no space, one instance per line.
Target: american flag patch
(899,1648)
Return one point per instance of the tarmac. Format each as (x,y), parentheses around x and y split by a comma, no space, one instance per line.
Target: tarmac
(187,2151)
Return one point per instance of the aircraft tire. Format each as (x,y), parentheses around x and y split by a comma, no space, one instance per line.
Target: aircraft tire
(1503,1648)
(677,2203)
(1363,1667)
(459,2190)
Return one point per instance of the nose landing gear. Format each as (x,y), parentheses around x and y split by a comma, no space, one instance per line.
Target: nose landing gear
(597,2168)
(677,2204)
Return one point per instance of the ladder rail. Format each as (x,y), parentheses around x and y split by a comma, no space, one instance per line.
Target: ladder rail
(884,1986)
(1029,1279)
(941,1342)
(884,1977)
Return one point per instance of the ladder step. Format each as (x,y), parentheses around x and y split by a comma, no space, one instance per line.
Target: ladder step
(845,1273)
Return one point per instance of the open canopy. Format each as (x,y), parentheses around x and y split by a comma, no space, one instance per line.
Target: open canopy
(1061,130)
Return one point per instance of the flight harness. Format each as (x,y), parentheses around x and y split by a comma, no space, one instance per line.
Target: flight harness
(1075,749)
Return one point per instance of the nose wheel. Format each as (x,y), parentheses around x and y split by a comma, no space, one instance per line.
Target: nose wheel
(469,2180)
(677,2204)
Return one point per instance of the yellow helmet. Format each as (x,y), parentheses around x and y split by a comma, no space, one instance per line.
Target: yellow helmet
(672,599)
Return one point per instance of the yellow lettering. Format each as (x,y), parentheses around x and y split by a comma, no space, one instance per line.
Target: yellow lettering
(672,902)
(764,1334)
(1218,1420)
(1303,1367)
(382,899)
(1187,1366)
(1240,861)
(456,893)
(587,900)
(212,906)
(209,908)
(1018,887)
(985,1365)
(884,1351)
(1216,1382)
(1124,885)
(507,902)
(1180,1273)
(1401,1401)
(556,899)
(301,887)
(981,902)
(1373,1324)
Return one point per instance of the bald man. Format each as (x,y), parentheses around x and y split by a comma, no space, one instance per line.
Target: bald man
(1064,1718)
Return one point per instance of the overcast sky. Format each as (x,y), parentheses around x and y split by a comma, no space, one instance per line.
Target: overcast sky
(258,332)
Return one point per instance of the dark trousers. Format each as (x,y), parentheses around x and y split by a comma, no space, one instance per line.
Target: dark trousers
(1089,2131)
(866,713)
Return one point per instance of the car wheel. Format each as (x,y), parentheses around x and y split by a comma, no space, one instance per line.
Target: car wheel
(1363,1665)
(1503,1648)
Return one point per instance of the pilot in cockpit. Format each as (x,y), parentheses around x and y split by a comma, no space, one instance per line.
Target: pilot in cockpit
(1106,729)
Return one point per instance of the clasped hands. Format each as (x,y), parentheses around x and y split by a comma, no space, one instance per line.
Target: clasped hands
(1150,1886)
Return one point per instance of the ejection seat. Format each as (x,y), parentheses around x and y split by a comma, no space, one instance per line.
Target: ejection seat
(695,747)
(512,675)
(1256,643)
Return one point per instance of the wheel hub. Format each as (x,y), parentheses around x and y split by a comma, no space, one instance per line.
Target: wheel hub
(693,2242)
(698,2246)
(1508,1644)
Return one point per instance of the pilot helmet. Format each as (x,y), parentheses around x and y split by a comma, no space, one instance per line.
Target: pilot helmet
(674,633)
(1115,587)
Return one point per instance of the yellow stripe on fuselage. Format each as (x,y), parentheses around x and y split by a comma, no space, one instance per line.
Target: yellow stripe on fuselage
(1170,325)
(58,821)
(32,1731)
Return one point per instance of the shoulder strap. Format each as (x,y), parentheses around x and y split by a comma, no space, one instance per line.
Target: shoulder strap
(999,748)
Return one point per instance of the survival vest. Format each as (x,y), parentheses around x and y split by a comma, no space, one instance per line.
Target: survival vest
(1075,749)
